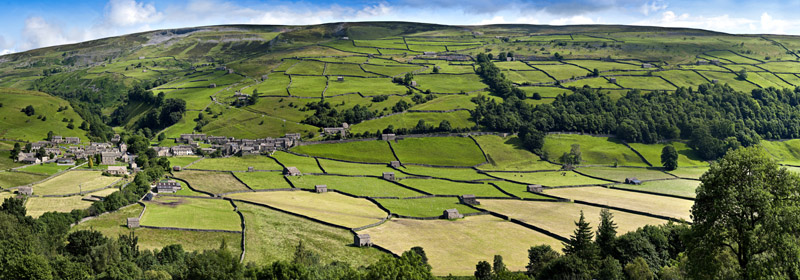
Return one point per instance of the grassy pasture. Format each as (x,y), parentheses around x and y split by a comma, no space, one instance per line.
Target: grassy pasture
(14,179)
(263,180)
(787,152)
(347,46)
(345,69)
(513,65)
(360,186)
(73,182)
(286,231)
(345,59)
(390,70)
(186,191)
(450,245)
(732,57)
(644,83)
(549,178)
(305,164)
(563,71)
(782,66)
(560,217)
(604,65)
(507,154)
(113,225)
(196,98)
(519,190)
(211,182)
(465,174)
(451,151)
(283,108)
(652,152)
(447,102)
(366,86)
(329,207)
(363,151)
(237,163)
(682,78)
(275,84)
(5,156)
(248,125)
(307,86)
(730,79)
(444,187)
(598,82)
(347,168)
(37,206)
(460,119)
(791,78)
(182,160)
(45,168)
(681,187)
(595,150)
(532,76)
(194,213)
(766,80)
(14,124)
(620,173)
(444,83)
(748,67)
(689,172)
(424,207)
(307,68)
(390,43)
(659,205)
(545,91)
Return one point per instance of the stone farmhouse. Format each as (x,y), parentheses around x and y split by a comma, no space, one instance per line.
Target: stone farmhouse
(168,186)
(117,170)
(336,130)
(362,240)
(388,176)
(535,188)
(452,214)
(291,171)
(469,199)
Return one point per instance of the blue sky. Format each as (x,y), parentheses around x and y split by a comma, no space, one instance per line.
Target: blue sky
(32,24)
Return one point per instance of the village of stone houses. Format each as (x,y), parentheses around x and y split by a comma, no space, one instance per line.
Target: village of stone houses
(360,143)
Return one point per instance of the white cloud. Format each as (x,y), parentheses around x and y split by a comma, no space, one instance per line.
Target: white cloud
(40,33)
(574,20)
(6,51)
(494,20)
(774,26)
(130,12)
(650,7)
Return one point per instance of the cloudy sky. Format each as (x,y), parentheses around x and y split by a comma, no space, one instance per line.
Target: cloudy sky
(32,24)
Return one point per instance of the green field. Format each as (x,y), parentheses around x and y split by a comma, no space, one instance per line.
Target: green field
(113,225)
(211,182)
(360,186)
(644,83)
(13,179)
(362,151)
(659,205)
(305,164)
(444,83)
(14,124)
(620,173)
(237,163)
(73,182)
(689,172)
(679,187)
(365,86)
(450,245)
(263,180)
(652,152)
(448,151)
(519,190)
(286,231)
(424,207)
(457,119)
(787,152)
(196,213)
(549,178)
(563,71)
(447,102)
(682,78)
(37,206)
(347,168)
(182,161)
(444,187)
(507,154)
(598,82)
(46,168)
(307,86)
(465,174)
(329,207)
(595,150)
